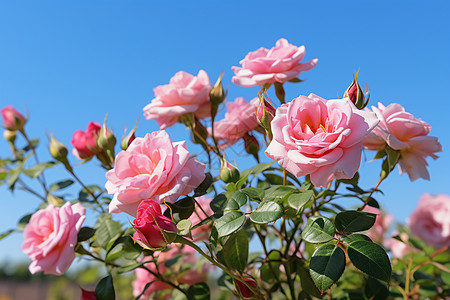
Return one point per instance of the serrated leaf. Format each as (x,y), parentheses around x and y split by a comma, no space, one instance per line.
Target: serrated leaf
(237,200)
(318,230)
(229,223)
(199,291)
(371,259)
(326,266)
(37,170)
(105,289)
(61,185)
(298,200)
(278,192)
(254,194)
(107,230)
(348,239)
(354,221)
(236,251)
(266,212)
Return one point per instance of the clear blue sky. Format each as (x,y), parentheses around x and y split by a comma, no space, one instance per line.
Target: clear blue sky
(70,62)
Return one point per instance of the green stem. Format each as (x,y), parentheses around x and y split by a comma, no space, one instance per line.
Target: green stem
(161,278)
(86,188)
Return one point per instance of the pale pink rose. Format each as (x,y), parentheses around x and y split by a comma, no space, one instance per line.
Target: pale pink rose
(318,137)
(382,223)
(398,248)
(431,220)
(279,64)
(184,94)
(240,118)
(152,168)
(402,131)
(50,238)
(201,233)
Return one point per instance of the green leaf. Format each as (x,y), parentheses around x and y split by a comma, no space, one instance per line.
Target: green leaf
(298,200)
(199,291)
(60,185)
(236,251)
(353,181)
(37,170)
(266,212)
(254,194)
(218,204)
(326,266)
(23,222)
(229,223)
(270,270)
(181,209)
(184,227)
(3,175)
(237,200)
(308,284)
(107,230)
(278,192)
(371,259)
(348,239)
(15,173)
(318,230)
(376,290)
(255,171)
(445,276)
(105,289)
(202,189)
(354,221)
(6,233)
(295,80)
(85,234)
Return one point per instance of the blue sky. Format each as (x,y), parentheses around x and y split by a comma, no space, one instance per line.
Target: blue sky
(69,63)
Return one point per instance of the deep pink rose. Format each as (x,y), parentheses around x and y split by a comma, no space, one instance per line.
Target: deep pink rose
(431,220)
(398,248)
(50,238)
(240,118)
(243,290)
(150,223)
(85,143)
(184,94)
(402,131)
(12,119)
(382,223)
(152,168)
(318,137)
(201,233)
(279,64)
(87,295)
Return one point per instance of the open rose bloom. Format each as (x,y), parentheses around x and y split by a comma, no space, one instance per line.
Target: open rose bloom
(152,167)
(401,131)
(278,64)
(50,238)
(318,137)
(184,94)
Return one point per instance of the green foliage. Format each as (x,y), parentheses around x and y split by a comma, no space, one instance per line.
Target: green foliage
(318,230)
(266,212)
(236,251)
(229,223)
(199,291)
(354,221)
(107,230)
(105,289)
(326,266)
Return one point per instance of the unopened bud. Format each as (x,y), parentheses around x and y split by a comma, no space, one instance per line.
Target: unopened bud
(217,95)
(229,173)
(265,114)
(58,150)
(106,139)
(200,133)
(356,95)
(127,140)
(12,119)
(9,136)
(243,289)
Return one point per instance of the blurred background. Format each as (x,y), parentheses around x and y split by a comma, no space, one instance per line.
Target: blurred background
(66,63)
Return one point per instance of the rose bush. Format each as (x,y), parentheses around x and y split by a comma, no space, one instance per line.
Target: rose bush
(50,238)
(152,168)
(318,137)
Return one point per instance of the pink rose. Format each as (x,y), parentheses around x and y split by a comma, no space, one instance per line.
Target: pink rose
(240,119)
(243,290)
(431,220)
(152,168)
(398,248)
(201,233)
(402,131)
(279,64)
(318,137)
(12,119)
(85,143)
(149,224)
(184,94)
(381,226)
(143,277)
(50,238)
(87,295)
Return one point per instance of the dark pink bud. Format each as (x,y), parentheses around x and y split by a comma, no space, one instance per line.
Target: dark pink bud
(12,119)
(87,295)
(243,290)
(85,143)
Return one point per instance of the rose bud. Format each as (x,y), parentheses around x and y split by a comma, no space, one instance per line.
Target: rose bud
(356,95)
(87,295)
(129,138)
(153,229)
(106,139)
(85,143)
(216,95)
(264,115)
(251,145)
(12,119)
(57,149)
(228,173)
(10,136)
(243,290)
(200,133)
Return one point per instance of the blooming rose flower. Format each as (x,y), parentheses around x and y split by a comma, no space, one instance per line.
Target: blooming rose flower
(12,119)
(240,118)
(279,64)
(189,270)
(381,226)
(85,143)
(201,233)
(152,168)
(50,238)
(149,223)
(402,131)
(184,94)
(398,248)
(431,220)
(318,137)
